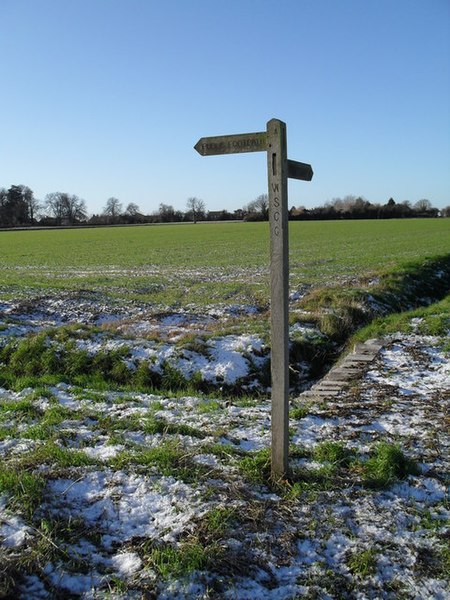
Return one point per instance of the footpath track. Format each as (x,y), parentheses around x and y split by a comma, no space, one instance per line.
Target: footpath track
(340,377)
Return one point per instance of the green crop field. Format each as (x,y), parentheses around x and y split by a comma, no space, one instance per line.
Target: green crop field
(204,262)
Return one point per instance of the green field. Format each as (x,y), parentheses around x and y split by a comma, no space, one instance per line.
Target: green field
(205,262)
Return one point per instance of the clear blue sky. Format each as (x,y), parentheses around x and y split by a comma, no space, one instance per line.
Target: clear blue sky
(107,98)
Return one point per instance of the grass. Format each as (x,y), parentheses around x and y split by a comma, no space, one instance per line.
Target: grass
(429,320)
(169,458)
(239,531)
(444,562)
(208,406)
(363,563)
(213,263)
(176,562)
(218,520)
(206,264)
(55,456)
(24,489)
(341,466)
(146,262)
(386,465)
(42,355)
(148,424)
(22,410)
(199,551)
(299,412)
(45,429)
(47,545)
(333,452)
(53,355)
(341,310)
(256,467)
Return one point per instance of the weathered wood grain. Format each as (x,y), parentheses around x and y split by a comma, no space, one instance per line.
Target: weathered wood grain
(279,293)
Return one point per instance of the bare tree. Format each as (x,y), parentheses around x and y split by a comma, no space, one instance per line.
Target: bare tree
(166,213)
(259,206)
(112,209)
(65,208)
(54,205)
(32,203)
(422,205)
(74,209)
(196,208)
(351,205)
(132,209)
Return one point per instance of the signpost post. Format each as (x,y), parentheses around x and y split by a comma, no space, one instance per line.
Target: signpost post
(279,169)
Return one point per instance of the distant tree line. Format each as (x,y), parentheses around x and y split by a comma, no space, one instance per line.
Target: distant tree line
(352,207)
(20,208)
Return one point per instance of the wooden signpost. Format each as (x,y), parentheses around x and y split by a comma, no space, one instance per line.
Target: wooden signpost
(232,144)
(279,169)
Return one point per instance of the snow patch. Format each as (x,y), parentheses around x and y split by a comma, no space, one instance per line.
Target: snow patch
(126,563)
(125,506)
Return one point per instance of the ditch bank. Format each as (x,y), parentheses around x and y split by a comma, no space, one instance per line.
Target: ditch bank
(331,320)
(85,340)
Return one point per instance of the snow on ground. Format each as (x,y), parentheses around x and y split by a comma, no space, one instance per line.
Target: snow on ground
(86,307)
(125,506)
(137,519)
(228,360)
(13,531)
